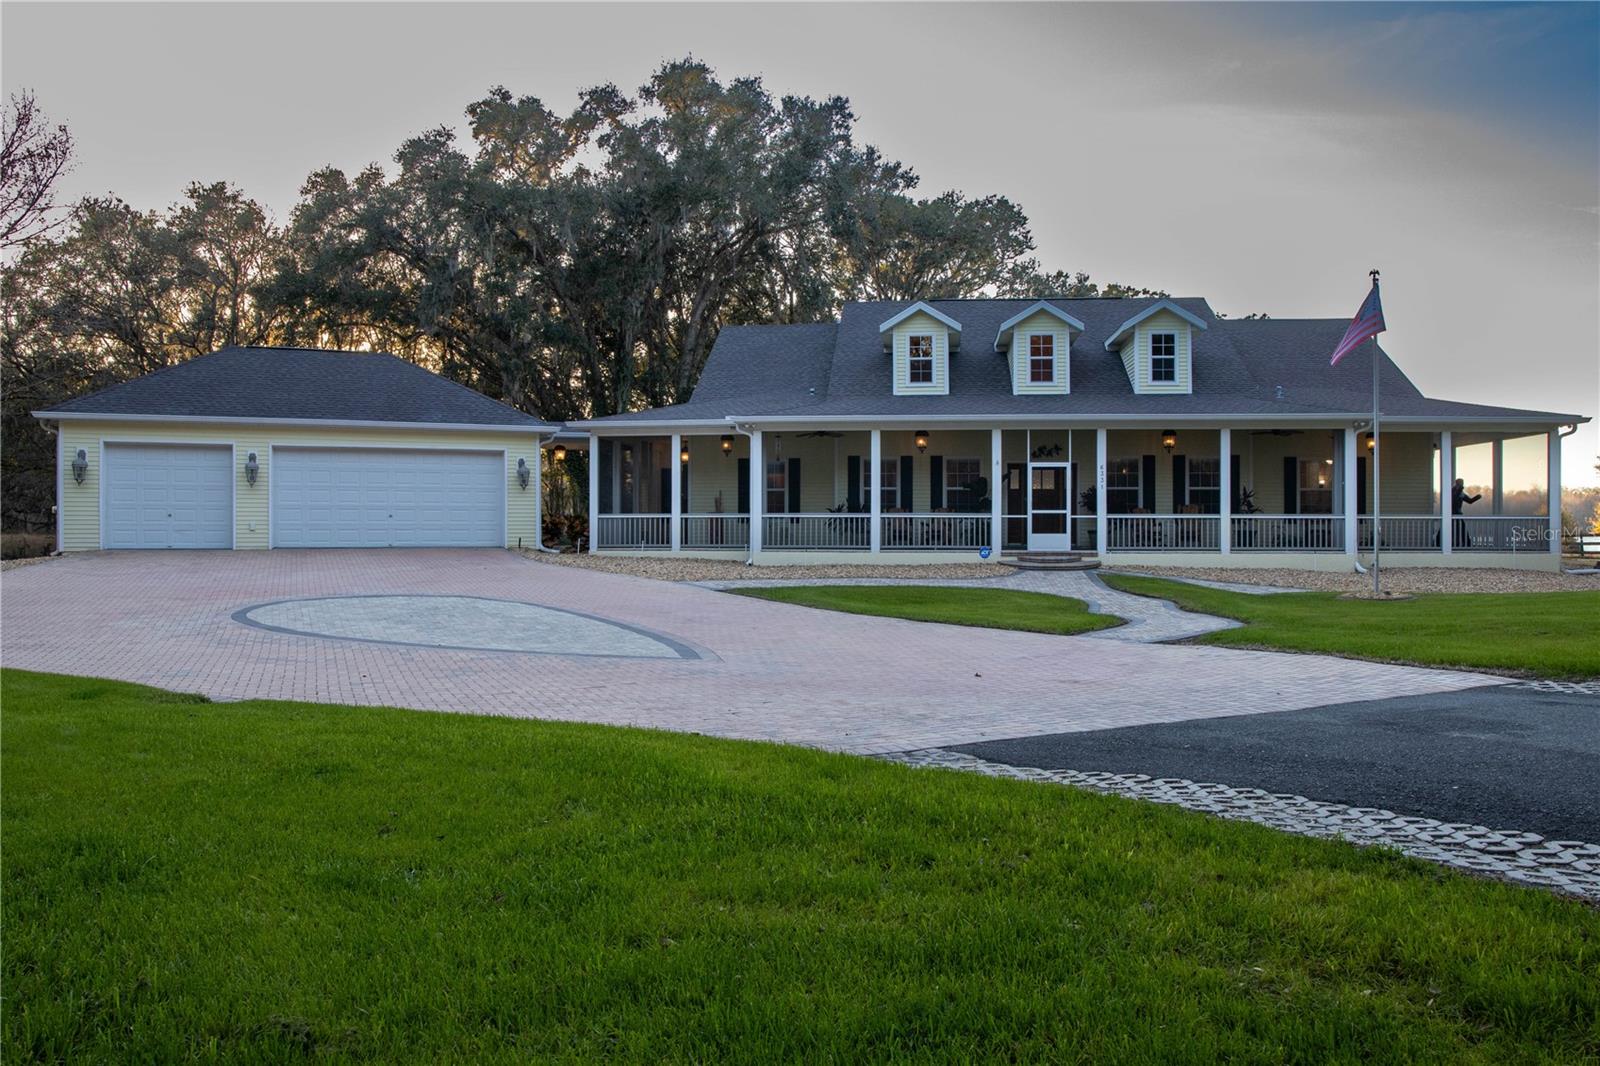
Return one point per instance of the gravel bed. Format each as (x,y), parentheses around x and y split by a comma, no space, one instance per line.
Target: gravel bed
(1411,579)
(12,564)
(669,569)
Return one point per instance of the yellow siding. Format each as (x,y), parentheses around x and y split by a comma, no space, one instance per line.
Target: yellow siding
(1409,467)
(80,504)
(1136,354)
(1041,322)
(921,323)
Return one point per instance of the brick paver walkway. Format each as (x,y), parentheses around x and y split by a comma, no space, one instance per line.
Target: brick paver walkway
(766,671)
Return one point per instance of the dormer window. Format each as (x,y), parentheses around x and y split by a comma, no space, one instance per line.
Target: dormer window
(919,353)
(1163,357)
(1042,358)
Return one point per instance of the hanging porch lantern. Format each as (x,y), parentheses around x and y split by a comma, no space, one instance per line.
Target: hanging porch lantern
(683,454)
(1169,439)
(727,444)
(559,453)
(921,439)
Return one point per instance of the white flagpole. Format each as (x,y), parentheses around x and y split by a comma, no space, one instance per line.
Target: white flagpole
(1377,466)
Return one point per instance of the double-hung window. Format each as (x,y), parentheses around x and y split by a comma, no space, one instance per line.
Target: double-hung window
(960,484)
(919,355)
(777,486)
(889,485)
(1316,486)
(1124,486)
(1163,357)
(1205,484)
(1042,358)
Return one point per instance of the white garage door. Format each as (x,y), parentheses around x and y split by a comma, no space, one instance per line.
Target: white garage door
(168,496)
(381,498)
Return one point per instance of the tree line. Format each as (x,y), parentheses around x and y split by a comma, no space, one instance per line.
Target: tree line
(571,264)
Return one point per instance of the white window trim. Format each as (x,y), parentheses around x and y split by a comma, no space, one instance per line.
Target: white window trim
(1151,365)
(949,467)
(912,359)
(767,490)
(1137,488)
(1055,359)
(888,468)
(1189,487)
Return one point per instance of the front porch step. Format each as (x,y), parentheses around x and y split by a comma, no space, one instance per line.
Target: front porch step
(1053,560)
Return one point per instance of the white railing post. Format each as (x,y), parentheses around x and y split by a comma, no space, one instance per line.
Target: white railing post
(758,492)
(1447,477)
(594,492)
(1352,521)
(675,486)
(1225,503)
(1100,490)
(874,495)
(997,522)
(1553,480)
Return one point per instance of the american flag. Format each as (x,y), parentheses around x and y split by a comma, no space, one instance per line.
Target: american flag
(1367,324)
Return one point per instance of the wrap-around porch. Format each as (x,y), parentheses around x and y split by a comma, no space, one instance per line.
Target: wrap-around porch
(1144,493)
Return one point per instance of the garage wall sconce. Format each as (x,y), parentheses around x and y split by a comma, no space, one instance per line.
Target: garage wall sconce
(80,466)
(524,475)
(251,468)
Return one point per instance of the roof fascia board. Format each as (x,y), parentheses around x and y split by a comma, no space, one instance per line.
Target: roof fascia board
(348,423)
(936,314)
(1017,319)
(1218,419)
(1160,305)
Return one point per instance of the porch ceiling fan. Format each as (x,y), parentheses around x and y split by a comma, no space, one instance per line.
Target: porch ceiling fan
(1276,432)
(820,433)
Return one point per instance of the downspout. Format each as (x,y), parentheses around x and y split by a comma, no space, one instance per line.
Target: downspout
(749,555)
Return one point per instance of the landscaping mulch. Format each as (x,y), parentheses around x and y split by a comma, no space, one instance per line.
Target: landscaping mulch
(1411,579)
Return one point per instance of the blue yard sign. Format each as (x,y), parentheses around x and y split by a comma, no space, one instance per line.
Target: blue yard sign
(983,553)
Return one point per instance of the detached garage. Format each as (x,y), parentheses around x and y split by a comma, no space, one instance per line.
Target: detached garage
(294,448)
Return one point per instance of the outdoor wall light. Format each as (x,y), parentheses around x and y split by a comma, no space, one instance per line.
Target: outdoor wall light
(524,475)
(921,438)
(683,454)
(251,468)
(1169,439)
(727,444)
(1372,442)
(80,466)
(559,453)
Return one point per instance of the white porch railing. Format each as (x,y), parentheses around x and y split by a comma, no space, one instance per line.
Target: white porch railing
(1406,533)
(816,532)
(1162,533)
(1288,533)
(934,532)
(633,532)
(709,531)
(1500,533)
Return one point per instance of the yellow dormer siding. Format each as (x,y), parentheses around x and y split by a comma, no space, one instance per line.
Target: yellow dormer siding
(921,325)
(1137,349)
(1041,324)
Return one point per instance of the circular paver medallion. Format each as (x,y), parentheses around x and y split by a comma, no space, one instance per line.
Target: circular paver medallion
(462,623)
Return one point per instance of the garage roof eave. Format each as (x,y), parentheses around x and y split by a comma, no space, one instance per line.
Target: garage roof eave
(237,420)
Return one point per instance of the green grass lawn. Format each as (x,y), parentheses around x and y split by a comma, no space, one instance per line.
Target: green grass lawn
(265,881)
(1037,612)
(1544,634)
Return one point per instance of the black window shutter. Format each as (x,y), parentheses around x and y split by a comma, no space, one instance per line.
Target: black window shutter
(1233,477)
(1361,484)
(744,486)
(1291,485)
(935,482)
(606,458)
(907,472)
(794,485)
(1180,487)
(1147,481)
(666,488)
(852,483)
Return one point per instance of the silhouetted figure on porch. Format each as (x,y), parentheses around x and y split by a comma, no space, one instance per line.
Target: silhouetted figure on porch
(1459,498)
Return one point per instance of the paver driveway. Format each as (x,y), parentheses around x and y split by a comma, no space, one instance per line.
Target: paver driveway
(762,670)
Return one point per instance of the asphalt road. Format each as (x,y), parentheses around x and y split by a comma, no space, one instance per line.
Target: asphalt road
(1503,757)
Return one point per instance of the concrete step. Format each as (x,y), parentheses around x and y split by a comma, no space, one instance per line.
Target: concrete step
(1053,561)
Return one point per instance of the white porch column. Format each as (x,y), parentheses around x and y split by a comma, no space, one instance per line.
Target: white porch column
(997,523)
(1554,482)
(1447,476)
(1225,504)
(1352,521)
(1100,523)
(758,490)
(594,491)
(675,522)
(538,492)
(875,494)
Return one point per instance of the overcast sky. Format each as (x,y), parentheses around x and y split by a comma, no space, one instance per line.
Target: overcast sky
(1263,156)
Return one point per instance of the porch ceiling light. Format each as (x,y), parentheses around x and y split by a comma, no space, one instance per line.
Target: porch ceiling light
(1372,441)
(921,439)
(1169,439)
(727,444)
(251,468)
(524,475)
(80,466)
(559,453)
(683,454)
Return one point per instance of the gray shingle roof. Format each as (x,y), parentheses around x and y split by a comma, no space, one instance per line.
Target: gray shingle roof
(299,383)
(1240,365)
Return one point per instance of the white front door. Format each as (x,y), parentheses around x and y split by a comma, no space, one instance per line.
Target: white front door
(1049,506)
(387,497)
(168,496)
